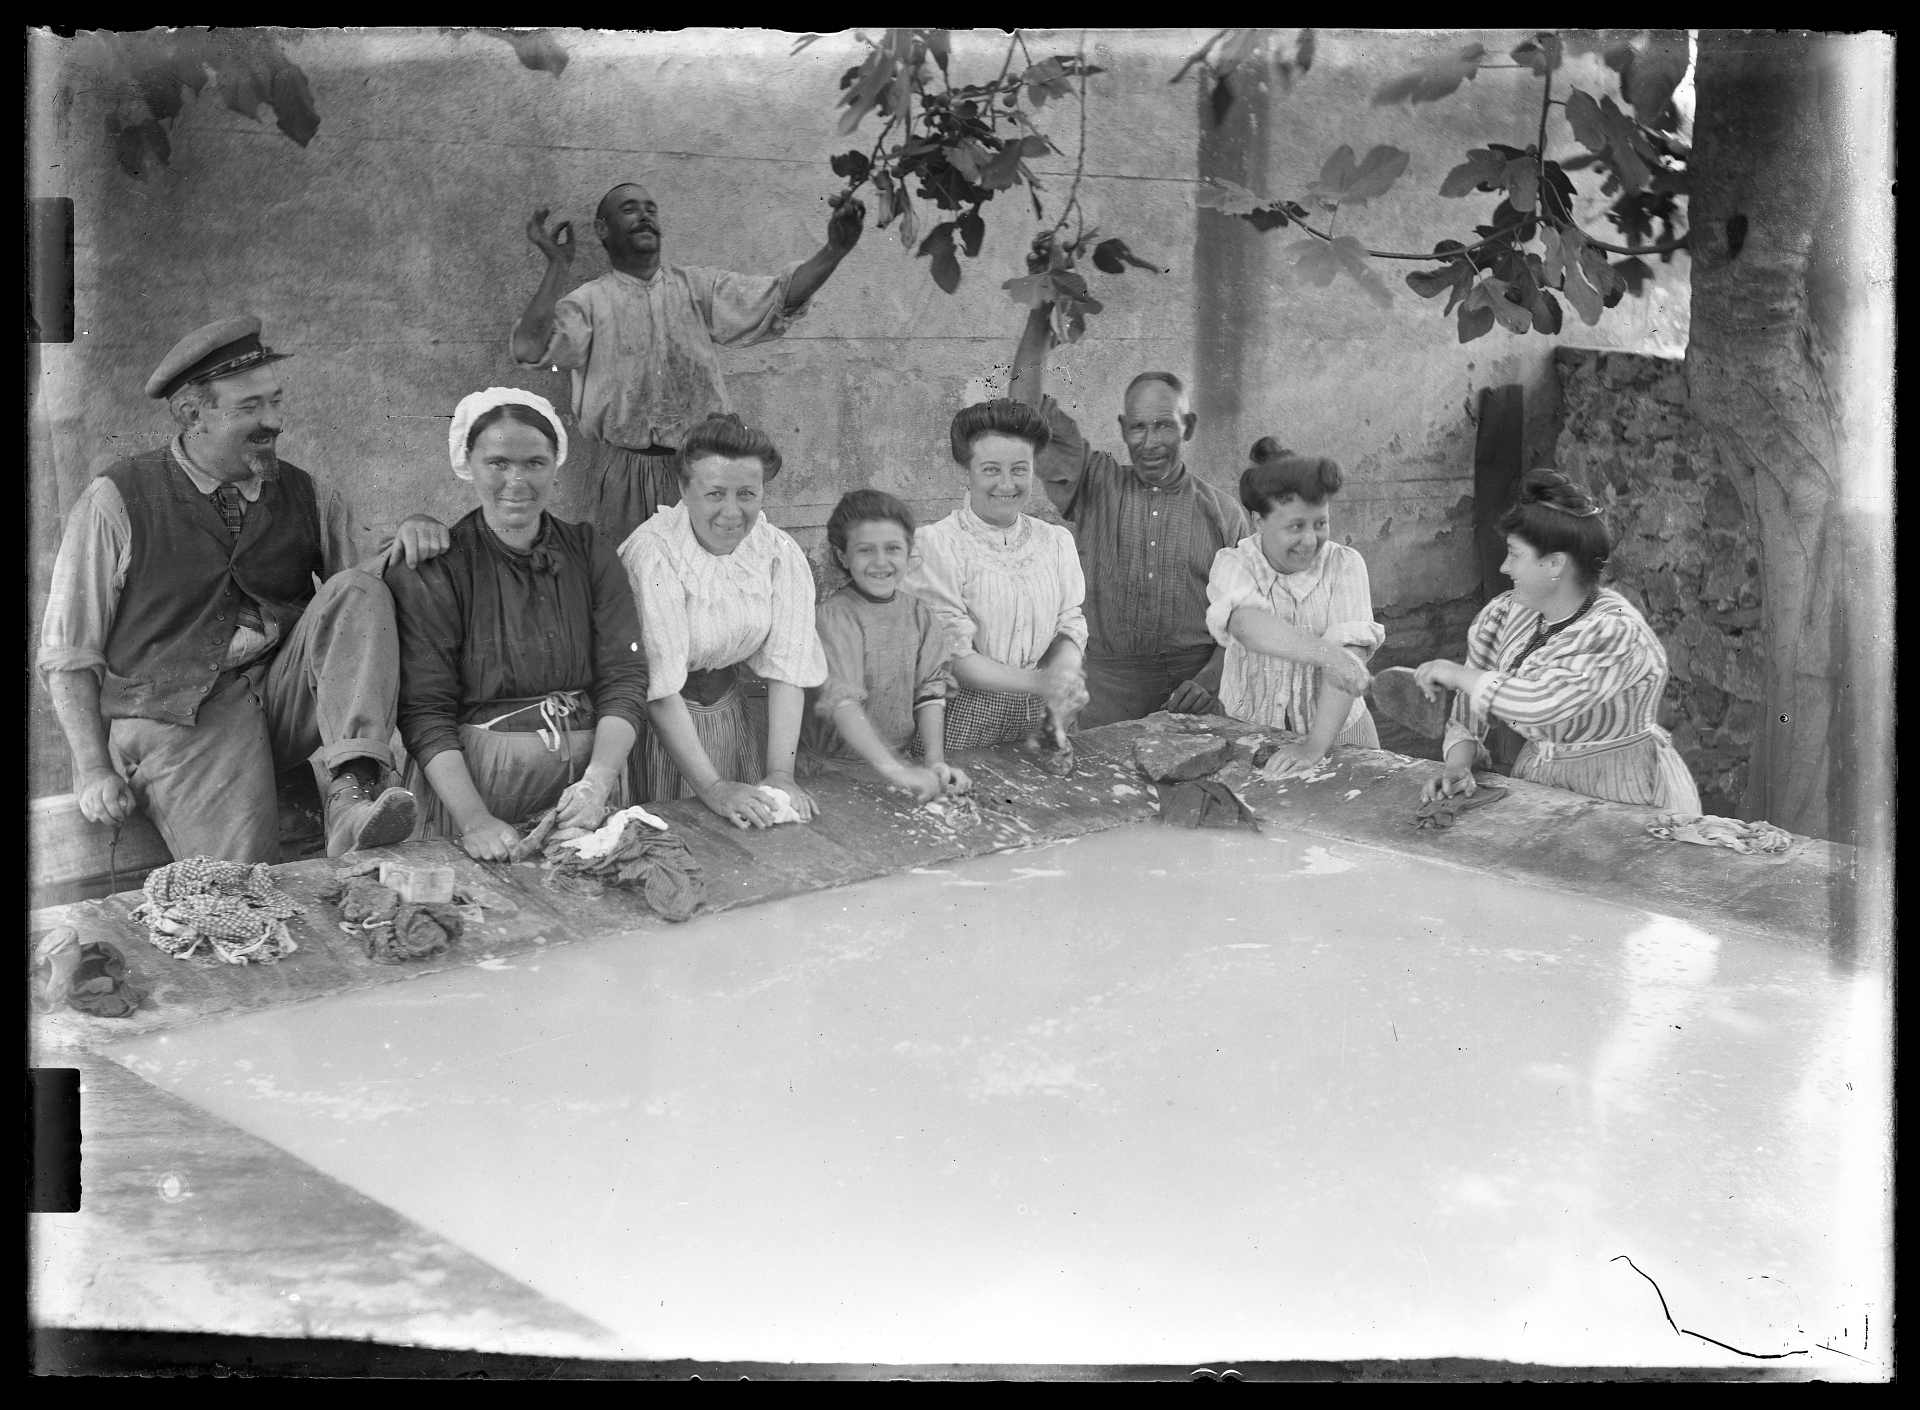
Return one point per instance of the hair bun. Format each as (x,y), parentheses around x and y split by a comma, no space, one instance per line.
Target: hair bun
(1548,486)
(1268,449)
(730,418)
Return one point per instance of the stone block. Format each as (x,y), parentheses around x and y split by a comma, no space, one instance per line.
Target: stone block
(1179,758)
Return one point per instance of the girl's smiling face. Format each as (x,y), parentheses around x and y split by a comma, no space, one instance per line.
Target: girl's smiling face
(723,498)
(999,478)
(1292,533)
(876,557)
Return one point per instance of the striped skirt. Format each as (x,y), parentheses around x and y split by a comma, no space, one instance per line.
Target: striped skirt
(726,731)
(978,718)
(1644,770)
(517,776)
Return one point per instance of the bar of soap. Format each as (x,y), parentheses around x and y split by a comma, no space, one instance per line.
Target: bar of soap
(1181,757)
(418,885)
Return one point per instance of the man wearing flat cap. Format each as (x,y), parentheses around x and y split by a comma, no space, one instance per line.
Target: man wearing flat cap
(187,649)
(639,342)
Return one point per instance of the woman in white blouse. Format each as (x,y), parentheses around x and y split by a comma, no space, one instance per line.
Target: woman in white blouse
(718,587)
(1007,587)
(1295,613)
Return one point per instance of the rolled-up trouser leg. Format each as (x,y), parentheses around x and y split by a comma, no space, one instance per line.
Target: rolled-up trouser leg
(207,786)
(330,692)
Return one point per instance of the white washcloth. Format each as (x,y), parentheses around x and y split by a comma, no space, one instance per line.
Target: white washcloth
(783,811)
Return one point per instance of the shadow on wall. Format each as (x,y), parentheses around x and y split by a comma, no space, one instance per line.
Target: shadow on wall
(1684,553)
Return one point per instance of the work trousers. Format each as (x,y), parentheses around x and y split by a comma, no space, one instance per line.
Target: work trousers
(1130,687)
(324,697)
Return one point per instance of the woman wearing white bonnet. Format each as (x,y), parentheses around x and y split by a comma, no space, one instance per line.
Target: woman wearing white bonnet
(522,681)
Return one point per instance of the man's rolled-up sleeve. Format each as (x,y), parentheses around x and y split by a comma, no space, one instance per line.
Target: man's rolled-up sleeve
(571,340)
(88,574)
(746,308)
(1064,460)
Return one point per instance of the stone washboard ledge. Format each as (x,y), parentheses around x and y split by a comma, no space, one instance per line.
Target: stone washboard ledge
(1544,836)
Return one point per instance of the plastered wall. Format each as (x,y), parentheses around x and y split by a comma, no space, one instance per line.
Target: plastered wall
(389,255)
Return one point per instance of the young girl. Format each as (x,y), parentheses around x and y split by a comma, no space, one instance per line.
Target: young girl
(887,671)
(1295,613)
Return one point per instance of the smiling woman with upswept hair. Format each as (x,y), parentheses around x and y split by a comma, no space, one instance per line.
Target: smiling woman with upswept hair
(720,587)
(1006,586)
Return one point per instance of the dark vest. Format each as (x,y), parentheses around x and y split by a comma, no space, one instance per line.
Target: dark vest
(176,615)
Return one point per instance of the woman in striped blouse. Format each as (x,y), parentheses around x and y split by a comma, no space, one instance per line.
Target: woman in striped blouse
(719,587)
(1295,613)
(1006,587)
(1568,664)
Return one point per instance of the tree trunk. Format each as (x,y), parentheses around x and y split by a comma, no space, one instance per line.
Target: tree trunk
(1785,393)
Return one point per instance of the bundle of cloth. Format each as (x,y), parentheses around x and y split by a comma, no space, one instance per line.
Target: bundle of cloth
(631,848)
(215,912)
(1445,811)
(89,975)
(394,930)
(1709,831)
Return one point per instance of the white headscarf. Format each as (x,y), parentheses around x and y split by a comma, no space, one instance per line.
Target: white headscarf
(473,407)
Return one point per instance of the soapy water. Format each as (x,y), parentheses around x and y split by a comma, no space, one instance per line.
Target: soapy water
(1167,1095)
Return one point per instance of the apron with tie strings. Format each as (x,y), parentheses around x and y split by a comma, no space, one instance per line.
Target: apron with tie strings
(521,754)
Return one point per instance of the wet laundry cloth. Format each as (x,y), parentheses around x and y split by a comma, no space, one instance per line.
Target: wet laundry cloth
(1731,833)
(782,804)
(1204,803)
(1445,812)
(393,930)
(1050,748)
(90,976)
(633,847)
(231,909)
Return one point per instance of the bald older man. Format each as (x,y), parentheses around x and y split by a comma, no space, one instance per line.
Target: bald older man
(640,340)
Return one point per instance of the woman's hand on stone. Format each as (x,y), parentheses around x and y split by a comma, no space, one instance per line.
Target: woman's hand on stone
(583,807)
(802,800)
(1291,760)
(558,246)
(921,784)
(741,804)
(489,840)
(104,797)
(953,780)
(1435,676)
(1452,779)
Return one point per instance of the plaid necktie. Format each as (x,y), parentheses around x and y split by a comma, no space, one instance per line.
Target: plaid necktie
(233,509)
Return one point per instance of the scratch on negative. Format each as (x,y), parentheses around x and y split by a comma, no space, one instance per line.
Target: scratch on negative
(1756,1355)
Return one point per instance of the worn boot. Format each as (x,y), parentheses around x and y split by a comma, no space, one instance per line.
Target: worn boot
(360,815)
(1400,699)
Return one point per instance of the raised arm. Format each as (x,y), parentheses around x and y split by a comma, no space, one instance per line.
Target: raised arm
(843,233)
(535,328)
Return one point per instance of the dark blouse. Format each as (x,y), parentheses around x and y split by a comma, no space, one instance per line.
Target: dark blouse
(484,623)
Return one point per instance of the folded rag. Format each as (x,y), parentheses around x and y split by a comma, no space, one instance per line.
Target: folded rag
(90,976)
(1204,803)
(1731,833)
(394,931)
(1445,812)
(1050,748)
(634,846)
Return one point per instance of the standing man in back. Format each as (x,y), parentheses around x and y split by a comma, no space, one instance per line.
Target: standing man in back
(640,340)
(1147,532)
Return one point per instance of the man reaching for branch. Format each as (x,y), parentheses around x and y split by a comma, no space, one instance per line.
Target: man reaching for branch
(1146,531)
(640,340)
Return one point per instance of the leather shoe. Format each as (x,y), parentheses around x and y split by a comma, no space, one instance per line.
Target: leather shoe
(357,819)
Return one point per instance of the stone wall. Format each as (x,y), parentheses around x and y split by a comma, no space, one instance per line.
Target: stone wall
(1685,553)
